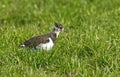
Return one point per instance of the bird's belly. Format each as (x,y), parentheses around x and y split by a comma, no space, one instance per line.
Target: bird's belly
(46,46)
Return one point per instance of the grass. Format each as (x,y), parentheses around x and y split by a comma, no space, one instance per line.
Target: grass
(90,48)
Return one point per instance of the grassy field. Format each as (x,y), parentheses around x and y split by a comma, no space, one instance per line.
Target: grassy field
(90,48)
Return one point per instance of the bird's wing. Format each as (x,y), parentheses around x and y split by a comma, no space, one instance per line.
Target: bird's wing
(33,42)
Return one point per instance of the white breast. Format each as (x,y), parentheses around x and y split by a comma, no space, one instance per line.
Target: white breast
(46,46)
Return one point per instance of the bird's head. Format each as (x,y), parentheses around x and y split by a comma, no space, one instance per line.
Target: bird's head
(58,28)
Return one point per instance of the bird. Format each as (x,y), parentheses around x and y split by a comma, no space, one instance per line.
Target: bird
(45,41)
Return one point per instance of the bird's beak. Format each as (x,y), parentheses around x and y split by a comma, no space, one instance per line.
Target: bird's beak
(63,30)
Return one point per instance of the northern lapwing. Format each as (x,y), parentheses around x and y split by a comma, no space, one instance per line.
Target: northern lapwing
(45,41)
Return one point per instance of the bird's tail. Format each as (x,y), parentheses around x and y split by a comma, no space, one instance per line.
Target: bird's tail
(21,46)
